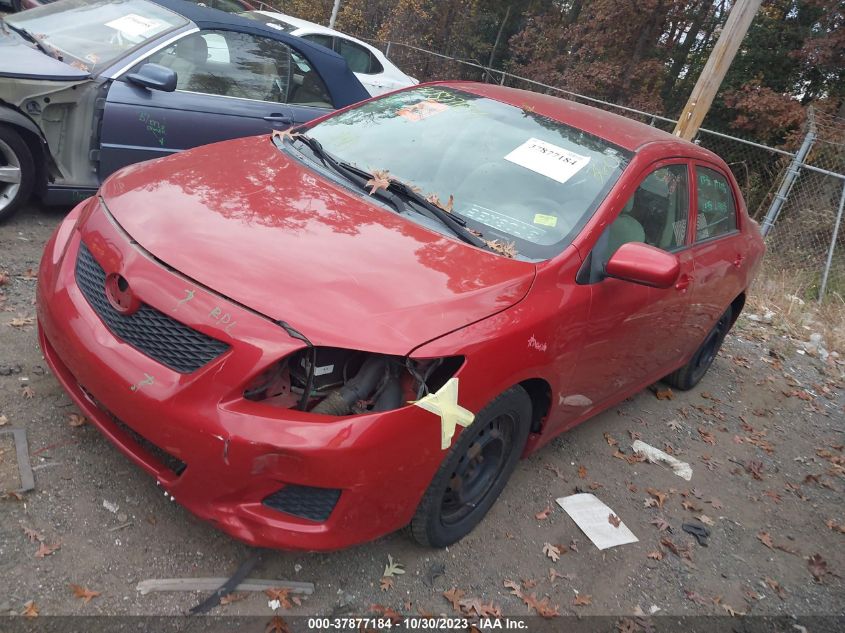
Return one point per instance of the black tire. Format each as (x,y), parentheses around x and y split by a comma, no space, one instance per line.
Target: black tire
(690,374)
(15,153)
(497,436)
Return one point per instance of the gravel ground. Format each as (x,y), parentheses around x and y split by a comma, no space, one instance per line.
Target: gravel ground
(764,434)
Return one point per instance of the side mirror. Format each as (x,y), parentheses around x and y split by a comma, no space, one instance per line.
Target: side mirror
(643,264)
(154,77)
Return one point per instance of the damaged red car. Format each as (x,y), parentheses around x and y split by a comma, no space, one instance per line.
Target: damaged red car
(316,338)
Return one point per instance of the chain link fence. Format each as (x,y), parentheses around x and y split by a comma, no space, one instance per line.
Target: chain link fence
(797,196)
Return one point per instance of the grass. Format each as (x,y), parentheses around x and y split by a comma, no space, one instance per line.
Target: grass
(791,296)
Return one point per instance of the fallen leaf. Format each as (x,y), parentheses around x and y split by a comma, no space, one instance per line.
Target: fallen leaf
(4,278)
(582,600)
(544,514)
(731,611)
(83,593)
(773,495)
(610,441)
(277,624)
(836,527)
(29,273)
(706,436)
(774,585)
(661,524)
(660,497)
(551,551)
(582,472)
(818,567)
(386,583)
(554,574)
(656,555)
(766,539)
(454,595)
(3,420)
(392,568)
(515,589)
(716,503)
(555,470)
(32,534)
(28,392)
(529,583)
(664,394)
(46,550)
(11,494)
(76,420)
(21,321)
(696,598)
(30,609)
(675,425)
(229,598)
(387,612)
(689,505)
(380,180)
(706,520)
(280,594)
(614,520)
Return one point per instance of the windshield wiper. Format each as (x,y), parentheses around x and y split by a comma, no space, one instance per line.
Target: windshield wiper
(30,38)
(349,173)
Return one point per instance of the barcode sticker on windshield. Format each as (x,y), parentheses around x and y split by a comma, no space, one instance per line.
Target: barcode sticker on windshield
(547,159)
(135,25)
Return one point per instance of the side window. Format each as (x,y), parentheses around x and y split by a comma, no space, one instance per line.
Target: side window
(657,213)
(715,204)
(319,38)
(229,64)
(355,55)
(306,86)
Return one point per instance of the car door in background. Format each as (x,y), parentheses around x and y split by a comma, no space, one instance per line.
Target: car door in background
(229,84)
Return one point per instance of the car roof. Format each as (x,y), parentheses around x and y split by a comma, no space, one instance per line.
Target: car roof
(614,128)
(313,27)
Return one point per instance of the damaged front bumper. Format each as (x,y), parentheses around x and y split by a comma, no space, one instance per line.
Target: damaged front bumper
(269,476)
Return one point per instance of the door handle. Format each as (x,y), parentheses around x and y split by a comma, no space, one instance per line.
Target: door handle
(683,283)
(279,118)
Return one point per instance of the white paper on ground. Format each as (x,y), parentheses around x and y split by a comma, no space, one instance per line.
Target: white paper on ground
(656,456)
(547,159)
(592,516)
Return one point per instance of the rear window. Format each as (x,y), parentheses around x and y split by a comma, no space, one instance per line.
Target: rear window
(91,34)
(513,175)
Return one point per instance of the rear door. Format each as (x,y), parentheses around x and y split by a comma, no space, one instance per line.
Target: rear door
(719,247)
(229,84)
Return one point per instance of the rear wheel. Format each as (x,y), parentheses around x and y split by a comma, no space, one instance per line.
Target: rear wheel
(17,172)
(690,374)
(474,472)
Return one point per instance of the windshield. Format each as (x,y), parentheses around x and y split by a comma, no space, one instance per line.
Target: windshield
(90,34)
(513,175)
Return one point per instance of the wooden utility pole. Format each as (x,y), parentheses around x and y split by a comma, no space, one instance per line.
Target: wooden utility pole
(717,65)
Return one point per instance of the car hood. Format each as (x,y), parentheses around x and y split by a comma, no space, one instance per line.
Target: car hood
(246,220)
(21,60)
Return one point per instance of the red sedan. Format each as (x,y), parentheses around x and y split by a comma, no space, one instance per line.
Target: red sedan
(317,338)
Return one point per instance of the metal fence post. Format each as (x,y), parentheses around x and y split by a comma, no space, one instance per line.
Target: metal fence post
(387,49)
(790,176)
(833,239)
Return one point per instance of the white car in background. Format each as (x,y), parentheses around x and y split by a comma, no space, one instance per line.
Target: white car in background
(373,69)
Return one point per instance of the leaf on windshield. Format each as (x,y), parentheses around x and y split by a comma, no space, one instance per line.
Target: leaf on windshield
(435,200)
(380,180)
(284,135)
(508,249)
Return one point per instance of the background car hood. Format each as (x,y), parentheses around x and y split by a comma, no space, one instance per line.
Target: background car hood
(244,219)
(20,59)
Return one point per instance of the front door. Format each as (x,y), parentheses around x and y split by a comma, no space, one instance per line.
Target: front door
(637,333)
(229,85)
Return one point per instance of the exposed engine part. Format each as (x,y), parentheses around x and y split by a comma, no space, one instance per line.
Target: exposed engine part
(373,373)
(347,382)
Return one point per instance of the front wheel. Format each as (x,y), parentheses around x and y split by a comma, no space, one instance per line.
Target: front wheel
(475,471)
(17,172)
(690,374)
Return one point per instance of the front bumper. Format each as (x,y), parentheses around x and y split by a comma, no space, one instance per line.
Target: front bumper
(217,454)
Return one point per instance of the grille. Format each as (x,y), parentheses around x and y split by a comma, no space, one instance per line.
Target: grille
(148,330)
(304,501)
